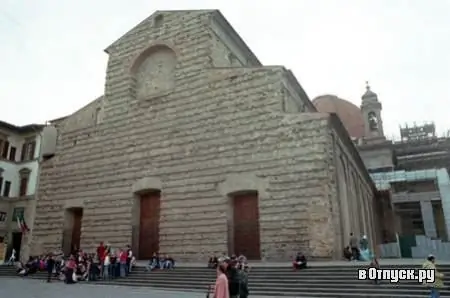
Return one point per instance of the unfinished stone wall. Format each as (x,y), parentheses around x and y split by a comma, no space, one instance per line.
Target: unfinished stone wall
(352,190)
(206,125)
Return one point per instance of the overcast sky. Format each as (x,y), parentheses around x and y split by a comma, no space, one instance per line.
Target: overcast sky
(52,61)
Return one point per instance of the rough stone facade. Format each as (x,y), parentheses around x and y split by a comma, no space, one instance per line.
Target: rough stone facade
(212,121)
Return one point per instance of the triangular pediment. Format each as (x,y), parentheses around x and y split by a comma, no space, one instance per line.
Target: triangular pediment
(217,20)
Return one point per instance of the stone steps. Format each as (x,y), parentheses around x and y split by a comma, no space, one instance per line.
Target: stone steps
(326,282)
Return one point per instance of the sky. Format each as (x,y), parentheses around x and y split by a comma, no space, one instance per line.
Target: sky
(52,61)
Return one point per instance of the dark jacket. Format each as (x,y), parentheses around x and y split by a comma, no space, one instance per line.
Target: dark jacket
(50,265)
(243,289)
(233,281)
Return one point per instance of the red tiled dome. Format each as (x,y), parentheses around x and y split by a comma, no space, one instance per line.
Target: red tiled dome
(349,114)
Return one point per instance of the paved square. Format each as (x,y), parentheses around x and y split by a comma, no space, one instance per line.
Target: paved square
(30,288)
(17,287)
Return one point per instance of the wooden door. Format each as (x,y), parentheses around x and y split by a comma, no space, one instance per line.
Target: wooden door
(246,226)
(149,225)
(76,229)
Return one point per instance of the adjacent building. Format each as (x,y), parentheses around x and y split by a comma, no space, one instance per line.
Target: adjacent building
(411,174)
(19,172)
(197,148)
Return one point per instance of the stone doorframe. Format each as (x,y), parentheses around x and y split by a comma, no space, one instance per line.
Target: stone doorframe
(143,185)
(240,183)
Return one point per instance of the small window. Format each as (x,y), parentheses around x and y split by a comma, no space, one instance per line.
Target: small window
(2,216)
(18,212)
(5,149)
(12,154)
(23,186)
(1,185)
(7,188)
(28,149)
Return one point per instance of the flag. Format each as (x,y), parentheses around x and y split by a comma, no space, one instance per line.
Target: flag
(22,225)
(19,223)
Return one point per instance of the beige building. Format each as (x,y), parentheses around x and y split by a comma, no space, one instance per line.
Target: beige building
(195,148)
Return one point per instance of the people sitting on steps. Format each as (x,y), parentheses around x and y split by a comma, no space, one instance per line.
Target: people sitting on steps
(160,262)
(359,249)
(353,243)
(300,262)
(347,253)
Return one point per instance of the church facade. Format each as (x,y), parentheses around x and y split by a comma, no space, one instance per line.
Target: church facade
(197,148)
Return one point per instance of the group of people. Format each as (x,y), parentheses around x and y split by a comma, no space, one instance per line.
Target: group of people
(106,263)
(358,249)
(232,277)
(232,272)
(162,262)
(241,261)
(114,263)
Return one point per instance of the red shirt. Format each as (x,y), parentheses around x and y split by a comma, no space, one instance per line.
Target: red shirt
(101,252)
(123,257)
(71,264)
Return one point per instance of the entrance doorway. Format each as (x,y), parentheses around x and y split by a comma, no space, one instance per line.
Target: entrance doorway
(150,204)
(72,229)
(16,243)
(246,225)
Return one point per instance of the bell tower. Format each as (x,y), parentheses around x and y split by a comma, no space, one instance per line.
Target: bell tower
(371,111)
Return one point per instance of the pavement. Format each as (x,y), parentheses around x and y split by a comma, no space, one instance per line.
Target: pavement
(29,288)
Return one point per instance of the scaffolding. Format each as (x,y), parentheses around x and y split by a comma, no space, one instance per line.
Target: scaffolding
(440,176)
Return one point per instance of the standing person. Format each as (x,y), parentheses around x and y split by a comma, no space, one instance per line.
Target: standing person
(221,288)
(101,251)
(430,264)
(12,258)
(243,290)
(106,265)
(354,246)
(122,260)
(50,267)
(129,258)
(233,278)
(364,243)
(70,268)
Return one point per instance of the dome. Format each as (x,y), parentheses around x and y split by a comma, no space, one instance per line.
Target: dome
(349,114)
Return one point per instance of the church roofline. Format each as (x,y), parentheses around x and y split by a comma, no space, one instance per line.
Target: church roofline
(299,89)
(345,138)
(219,18)
(83,107)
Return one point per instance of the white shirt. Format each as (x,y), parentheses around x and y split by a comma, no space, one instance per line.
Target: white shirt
(107,261)
(130,253)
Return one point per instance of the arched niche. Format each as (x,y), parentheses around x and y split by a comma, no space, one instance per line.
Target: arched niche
(153,71)
(372,119)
